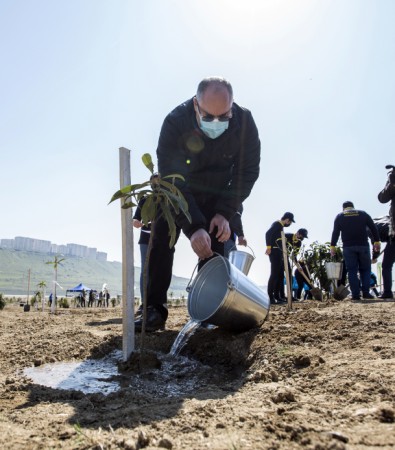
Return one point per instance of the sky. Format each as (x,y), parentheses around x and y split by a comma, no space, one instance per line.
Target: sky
(81,78)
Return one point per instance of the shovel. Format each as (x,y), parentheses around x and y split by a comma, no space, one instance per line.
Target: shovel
(341,292)
(315,292)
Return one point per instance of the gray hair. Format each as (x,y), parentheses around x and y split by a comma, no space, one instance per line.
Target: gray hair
(218,82)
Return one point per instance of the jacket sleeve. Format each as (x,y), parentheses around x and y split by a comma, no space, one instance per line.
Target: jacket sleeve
(336,232)
(246,169)
(137,213)
(388,193)
(236,225)
(271,234)
(373,228)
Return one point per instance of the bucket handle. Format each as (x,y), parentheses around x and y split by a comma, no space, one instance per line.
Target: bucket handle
(188,288)
(235,248)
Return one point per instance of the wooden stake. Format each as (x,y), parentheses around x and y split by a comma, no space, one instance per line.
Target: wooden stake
(127,260)
(287,277)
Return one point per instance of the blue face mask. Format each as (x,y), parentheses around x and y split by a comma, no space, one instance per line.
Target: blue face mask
(214,128)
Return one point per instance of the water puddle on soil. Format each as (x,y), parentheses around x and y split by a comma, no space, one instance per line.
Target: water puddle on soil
(89,376)
(177,377)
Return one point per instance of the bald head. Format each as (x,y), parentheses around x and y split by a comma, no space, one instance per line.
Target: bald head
(215,84)
(214,96)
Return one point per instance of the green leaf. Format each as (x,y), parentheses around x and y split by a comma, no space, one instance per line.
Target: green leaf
(148,211)
(172,225)
(128,190)
(179,203)
(175,175)
(147,161)
(128,205)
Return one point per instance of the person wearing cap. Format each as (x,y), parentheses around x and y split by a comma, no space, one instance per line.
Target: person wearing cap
(275,253)
(385,196)
(352,224)
(294,244)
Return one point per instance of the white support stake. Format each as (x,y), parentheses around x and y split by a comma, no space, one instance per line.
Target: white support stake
(286,269)
(127,260)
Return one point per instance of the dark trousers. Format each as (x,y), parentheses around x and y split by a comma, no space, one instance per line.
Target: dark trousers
(276,279)
(161,264)
(388,262)
(357,259)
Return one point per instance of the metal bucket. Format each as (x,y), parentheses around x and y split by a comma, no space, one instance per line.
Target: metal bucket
(242,260)
(222,295)
(334,270)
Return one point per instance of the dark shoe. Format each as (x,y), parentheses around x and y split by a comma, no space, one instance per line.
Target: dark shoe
(155,321)
(356,297)
(386,295)
(281,300)
(368,296)
(139,312)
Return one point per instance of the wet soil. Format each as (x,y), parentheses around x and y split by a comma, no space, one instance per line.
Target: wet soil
(319,377)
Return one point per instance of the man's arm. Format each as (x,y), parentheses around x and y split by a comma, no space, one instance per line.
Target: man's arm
(375,233)
(388,193)
(245,170)
(335,235)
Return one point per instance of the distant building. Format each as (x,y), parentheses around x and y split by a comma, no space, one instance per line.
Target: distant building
(7,243)
(32,245)
(92,253)
(101,256)
(38,245)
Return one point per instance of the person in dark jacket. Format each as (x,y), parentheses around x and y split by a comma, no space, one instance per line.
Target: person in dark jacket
(275,253)
(294,244)
(385,196)
(352,224)
(214,144)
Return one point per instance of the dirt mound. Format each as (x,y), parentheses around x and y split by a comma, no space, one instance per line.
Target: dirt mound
(318,377)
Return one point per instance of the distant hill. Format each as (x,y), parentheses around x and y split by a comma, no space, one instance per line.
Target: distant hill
(15,265)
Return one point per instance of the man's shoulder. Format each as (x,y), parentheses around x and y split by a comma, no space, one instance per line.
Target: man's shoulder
(181,110)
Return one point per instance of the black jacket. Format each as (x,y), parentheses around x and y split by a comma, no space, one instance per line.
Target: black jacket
(293,245)
(273,235)
(236,224)
(386,195)
(144,231)
(219,173)
(353,224)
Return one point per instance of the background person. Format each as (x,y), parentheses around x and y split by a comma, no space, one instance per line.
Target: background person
(275,252)
(352,224)
(214,144)
(385,196)
(294,244)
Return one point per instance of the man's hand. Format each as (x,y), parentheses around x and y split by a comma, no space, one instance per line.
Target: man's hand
(268,250)
(242,241)
(137,223)
(333,251)
(377,247)
(223,229)
(201,243)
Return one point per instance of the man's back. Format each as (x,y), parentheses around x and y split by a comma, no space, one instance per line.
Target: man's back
(352,224)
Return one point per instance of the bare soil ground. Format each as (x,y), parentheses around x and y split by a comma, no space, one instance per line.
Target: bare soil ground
(319,377)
